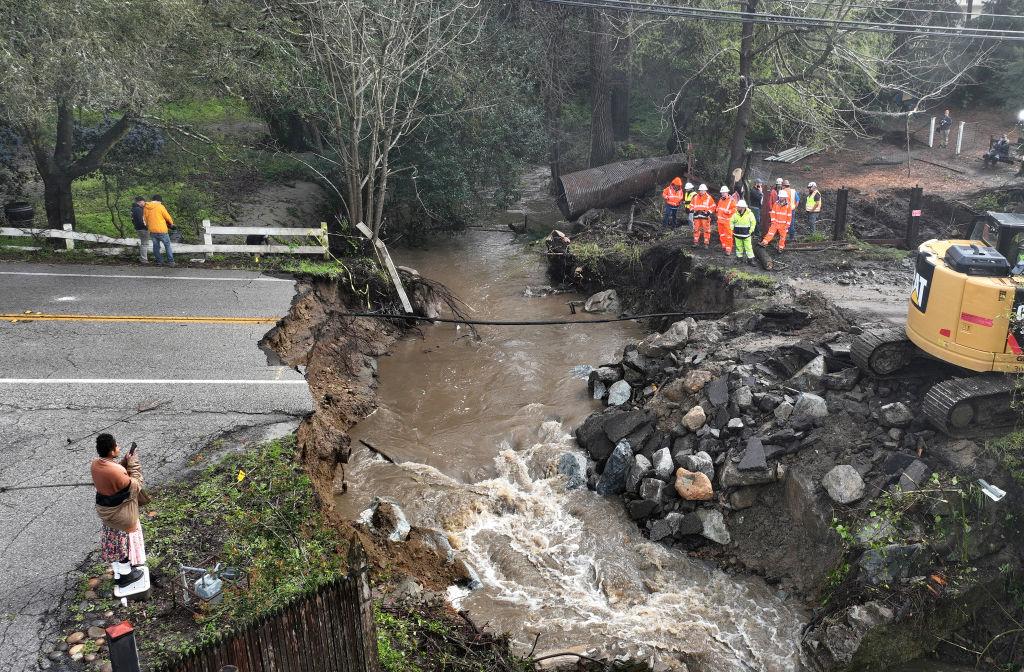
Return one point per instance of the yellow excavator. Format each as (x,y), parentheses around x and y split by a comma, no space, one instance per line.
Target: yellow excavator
(966,309)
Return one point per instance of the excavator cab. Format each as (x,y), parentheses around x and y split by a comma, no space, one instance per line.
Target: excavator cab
(966,308)
(1003,231)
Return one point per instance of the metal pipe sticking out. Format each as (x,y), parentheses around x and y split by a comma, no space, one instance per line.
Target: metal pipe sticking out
(615,183)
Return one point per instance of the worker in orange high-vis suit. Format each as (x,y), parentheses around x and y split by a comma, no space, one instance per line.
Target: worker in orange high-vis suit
(723,212)
(673,195)
(702,205)
(781,215)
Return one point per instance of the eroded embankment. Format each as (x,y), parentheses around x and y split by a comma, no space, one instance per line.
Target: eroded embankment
(755,441)
(338,354)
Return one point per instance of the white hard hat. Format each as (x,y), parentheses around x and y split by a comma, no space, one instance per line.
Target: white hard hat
(724,190)
(812,184)
(688,185)
(778,180)
(783,196)
(741,204)
(702,187)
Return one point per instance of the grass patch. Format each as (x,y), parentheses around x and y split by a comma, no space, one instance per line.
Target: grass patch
(1008,450)
(588,254)
(206,111)
(256,511)
(736,276)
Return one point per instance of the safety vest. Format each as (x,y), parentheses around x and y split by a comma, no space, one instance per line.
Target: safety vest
(673,196)
(702,203)
(687,197)
(794,198)
(726,206)
(814,201)
(781,214)
(743,223)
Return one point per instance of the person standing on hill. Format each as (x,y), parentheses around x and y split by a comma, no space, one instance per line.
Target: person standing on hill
(673,195)
(945,125)
(782,215)
(702,205)
(159,224)
(812,205)
(755,198)
(743,224)
(139,222)
(723,212)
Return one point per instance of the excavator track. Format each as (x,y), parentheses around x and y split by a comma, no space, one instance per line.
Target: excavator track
(975,406)
(882,352)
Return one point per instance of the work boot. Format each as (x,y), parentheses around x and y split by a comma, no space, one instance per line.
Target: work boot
(750,262)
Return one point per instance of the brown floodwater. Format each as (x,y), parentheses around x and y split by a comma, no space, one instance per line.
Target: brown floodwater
(477,429)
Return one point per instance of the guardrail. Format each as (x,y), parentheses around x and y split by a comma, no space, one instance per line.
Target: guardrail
(208,247)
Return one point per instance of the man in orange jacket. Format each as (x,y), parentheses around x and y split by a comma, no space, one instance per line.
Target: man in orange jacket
(673,195)
(702,205)
(159,223)
(781,215)
(723,212)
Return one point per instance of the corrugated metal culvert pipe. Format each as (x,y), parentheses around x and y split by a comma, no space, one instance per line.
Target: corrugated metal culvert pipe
(614,183)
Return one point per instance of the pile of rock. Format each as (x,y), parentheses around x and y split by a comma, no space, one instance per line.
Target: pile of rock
(695,422)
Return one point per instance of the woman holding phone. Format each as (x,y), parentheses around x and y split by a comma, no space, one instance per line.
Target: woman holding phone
(118,493)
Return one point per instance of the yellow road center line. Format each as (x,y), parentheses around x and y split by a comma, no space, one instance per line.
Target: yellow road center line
(159,319)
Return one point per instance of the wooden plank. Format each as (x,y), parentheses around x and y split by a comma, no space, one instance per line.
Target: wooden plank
(383,251)
(251,249)
(263,231)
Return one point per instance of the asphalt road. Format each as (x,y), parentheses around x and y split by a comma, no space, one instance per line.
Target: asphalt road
(63,381)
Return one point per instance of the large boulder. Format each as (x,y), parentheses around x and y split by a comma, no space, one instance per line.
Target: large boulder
(718,391)
(613,478)
(730,475)
(619,393)
(696,379)
(604,302)
(652,490)
(843,484)
(841,381)
(693,485)
(592,437)
(619,424)
(754,456)
(892,562)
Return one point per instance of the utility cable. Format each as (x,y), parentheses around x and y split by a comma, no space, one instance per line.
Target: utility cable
(531,323)
(998,35)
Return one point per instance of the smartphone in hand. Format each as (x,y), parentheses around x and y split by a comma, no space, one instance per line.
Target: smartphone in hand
(131,451)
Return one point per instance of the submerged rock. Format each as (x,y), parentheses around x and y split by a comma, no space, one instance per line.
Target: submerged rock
(574,467)
(603,302)
(386,518)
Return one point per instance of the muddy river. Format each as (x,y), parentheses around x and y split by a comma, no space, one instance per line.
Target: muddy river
(477,429)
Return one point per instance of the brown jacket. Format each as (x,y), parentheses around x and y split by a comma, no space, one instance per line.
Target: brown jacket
(111,477)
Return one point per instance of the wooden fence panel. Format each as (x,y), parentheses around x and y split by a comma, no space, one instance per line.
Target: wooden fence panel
(330,629)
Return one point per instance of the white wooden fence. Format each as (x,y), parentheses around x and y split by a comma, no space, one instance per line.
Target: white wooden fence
(208,247)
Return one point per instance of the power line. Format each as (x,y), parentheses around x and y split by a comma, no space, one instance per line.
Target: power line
(909,10)
(997,35)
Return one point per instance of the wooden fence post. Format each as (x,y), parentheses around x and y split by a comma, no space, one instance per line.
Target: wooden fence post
(324,240)
(960,138)
(207,236)
(914,217)
(69,243)
(839,222)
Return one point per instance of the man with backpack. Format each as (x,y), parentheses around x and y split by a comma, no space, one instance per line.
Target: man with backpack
(159,223)
(141,232)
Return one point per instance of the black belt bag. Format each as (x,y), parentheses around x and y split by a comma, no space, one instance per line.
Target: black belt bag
(115,499)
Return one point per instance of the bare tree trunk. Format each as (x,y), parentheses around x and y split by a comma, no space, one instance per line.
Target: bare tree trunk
(622,82)
(738,145)
(602,141)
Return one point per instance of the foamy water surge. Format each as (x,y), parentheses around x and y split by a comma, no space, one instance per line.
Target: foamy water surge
(571,566)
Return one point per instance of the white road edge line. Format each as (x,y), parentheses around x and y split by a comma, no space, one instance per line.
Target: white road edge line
(146,277)
(143,381)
